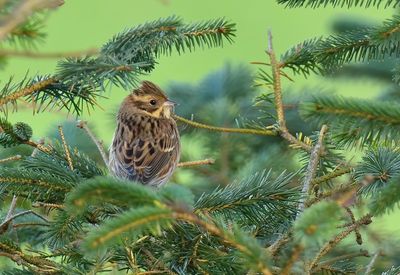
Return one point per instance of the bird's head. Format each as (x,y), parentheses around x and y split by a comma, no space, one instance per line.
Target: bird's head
(149,99)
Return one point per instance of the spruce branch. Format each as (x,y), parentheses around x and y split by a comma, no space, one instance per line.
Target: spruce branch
(226,130)
(99,144)
(312,168)
(270,198)
(327,54)
(196,163)
(340,3)
(66,149)
(331,175)
(295,255)
(275,66)
(365,220)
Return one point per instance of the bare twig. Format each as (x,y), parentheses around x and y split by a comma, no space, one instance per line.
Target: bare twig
(30,54)
(36,150)
(276,74)
(23,11)
(226,130)
(64,143)
(312,168)
(338,238)
(83,125)
(196,163)
(13,158)
(371,264)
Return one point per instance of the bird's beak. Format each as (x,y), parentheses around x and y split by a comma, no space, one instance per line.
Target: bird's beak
(170,103)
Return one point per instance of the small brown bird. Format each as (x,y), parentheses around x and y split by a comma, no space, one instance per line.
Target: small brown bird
(145,146)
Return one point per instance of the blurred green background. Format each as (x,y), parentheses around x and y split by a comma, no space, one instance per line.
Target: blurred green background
(79,25)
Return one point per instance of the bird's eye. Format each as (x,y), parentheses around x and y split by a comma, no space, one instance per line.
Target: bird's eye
(153,102)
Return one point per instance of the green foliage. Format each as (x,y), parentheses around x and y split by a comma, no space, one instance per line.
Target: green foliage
(12,135)
(377,168)
(257,200)
(316,222)
(354,122)
(106,189)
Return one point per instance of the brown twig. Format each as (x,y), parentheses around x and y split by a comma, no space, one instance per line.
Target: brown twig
(337,173)
(338,238)
(27,90)
(276,74)
(39,146)
(265,132)
(211,228)
(312,168)
(293,258)
(64,143)
(7,221)
(13,158)
(83,125)
(196,163)
(22,12)
(47,205)
(30,54)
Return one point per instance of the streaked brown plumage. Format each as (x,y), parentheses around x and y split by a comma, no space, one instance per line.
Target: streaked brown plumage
(145,146)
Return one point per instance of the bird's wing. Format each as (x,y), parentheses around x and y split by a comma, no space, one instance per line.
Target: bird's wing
(148,150)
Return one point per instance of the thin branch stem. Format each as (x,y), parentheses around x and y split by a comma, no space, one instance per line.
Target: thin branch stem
(226,130)
(371,264)
(13,158)
(312,168)
(36,150)
(9,219)
(83,125)
(196,163)
(362,253)
(38,55)
(27,90)
(338,238)
(276,67)
(12,208)
(47,205)
(64,143)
